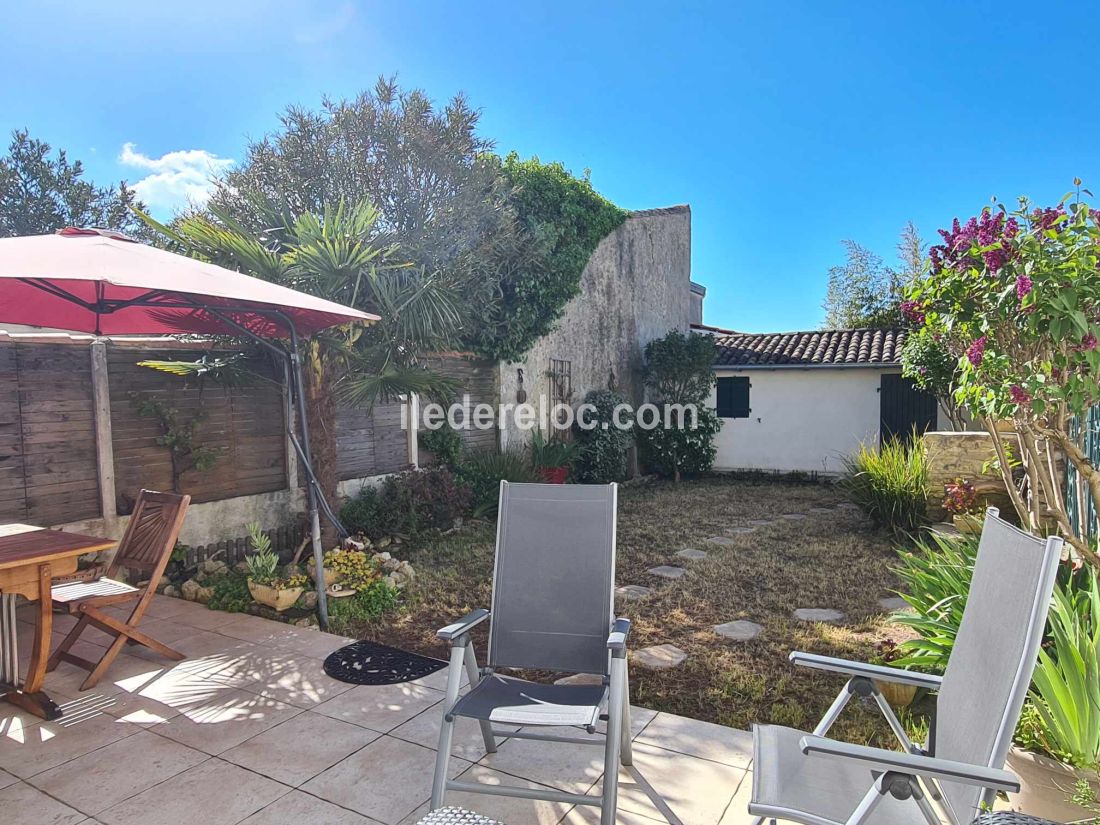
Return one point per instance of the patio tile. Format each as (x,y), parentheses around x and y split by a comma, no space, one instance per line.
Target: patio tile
(299,681)
(737,812)
(573,768)
(165,607)
(705,740)
(116,772)
(225,720)
(215,793)
(203,618)
(26,751)
(314,643)
(590,815)
(380,707)
(438,680)
(423,729)
(503,808)
(260,631)
(312,741)
(301,807)
(7,779)
(697,790)
(24,805)
(387,780)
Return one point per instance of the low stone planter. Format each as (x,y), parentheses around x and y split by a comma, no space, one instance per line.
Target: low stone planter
(331,576)
(279,599)
(1046,786)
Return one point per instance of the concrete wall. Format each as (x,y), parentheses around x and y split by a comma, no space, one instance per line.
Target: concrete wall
(802,419)
(636,287)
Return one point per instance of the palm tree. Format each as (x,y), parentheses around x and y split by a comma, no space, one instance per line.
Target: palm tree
(343,256)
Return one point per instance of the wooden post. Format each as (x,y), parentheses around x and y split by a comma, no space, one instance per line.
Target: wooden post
(412,427)
(104,445)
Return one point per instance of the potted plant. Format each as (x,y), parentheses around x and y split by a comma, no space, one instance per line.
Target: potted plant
(961,501)
(899,696)
(553,460)
(331,575)
(264,582)
(1058,752)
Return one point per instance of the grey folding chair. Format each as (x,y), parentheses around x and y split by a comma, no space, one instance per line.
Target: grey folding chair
(552,609)
(808,778)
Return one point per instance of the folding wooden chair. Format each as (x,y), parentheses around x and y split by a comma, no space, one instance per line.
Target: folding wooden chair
(145,548)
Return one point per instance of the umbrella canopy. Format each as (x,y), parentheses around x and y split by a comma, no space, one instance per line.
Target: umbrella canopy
(100,282)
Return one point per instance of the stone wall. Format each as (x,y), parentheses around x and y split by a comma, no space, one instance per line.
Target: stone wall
(954,455)
(635,288)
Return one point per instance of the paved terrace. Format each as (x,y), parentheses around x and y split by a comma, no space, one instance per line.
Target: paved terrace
(249,729)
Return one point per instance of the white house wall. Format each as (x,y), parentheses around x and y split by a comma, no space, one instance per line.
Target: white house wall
(801,419)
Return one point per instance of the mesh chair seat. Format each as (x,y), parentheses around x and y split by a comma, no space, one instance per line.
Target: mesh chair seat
(518,702)
(1011,818)
(456,816)
(78,591)
(785,779)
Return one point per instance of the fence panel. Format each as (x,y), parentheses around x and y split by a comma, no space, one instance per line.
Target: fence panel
(370,441)
(1078,500)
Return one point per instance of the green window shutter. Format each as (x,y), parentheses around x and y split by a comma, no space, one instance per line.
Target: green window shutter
(733,397)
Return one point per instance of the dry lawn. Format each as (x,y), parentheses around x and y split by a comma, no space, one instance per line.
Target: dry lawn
(831,559)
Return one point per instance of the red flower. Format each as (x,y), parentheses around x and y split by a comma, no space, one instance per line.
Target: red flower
(976,352)
(1020,396)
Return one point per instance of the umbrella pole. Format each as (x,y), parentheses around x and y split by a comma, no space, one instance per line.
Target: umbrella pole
(298,392)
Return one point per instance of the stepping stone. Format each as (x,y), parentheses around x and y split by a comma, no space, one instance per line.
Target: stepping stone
(893,603)
(847,505)
(659,657)
(823,511)
(691,553)
(666,571)
(740,531)
(721,541)
(580,679)
(739,631)
(818,614)
(793,516)
(632,592)
(761,522)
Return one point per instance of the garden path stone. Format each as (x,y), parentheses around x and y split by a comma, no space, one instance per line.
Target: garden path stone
(761,522)
(893,603)
(632,592)
(691,553)
(740,630)
(793,516)
(818,614)
(721,541)
(580,679)
(666,571)
(659,657)
(823,511)
(740,531)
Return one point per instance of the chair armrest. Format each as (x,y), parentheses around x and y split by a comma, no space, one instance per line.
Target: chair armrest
(463,625)
(886,674)
(914,764)
(620,631)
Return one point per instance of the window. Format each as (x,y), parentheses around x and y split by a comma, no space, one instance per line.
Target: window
(733,397)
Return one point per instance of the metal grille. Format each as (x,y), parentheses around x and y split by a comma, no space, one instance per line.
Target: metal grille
(1079,503)
(1010,818)
(561,391)
(456,816)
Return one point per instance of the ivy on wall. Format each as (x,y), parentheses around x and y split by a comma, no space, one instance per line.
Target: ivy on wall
(563,220)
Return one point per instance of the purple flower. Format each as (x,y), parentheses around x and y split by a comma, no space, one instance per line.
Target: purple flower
(912,312)
(1023,286)
(976,352)
(1012,228)
(1088,342)
(1020,396)
(1046,218)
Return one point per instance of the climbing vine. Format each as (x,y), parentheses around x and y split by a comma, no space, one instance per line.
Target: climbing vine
(563,220)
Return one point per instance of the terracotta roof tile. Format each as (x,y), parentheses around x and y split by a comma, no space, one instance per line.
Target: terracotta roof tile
(819,348)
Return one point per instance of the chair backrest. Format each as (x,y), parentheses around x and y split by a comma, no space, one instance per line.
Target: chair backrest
(554,577)
(989,671)
(151,534)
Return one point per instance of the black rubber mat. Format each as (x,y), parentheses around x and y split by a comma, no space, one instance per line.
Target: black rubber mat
(369,663)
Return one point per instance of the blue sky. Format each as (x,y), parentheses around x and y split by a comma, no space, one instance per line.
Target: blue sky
(786,126)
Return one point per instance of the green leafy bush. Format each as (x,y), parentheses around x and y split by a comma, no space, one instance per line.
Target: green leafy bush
(408,503)
(230,593)
(445,444)
(686,450)
(552,454)
(483,470)
(366,604)
(935,579)
(601,450)
(890,484)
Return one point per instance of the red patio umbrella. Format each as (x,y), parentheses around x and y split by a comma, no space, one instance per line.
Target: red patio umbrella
(100,282)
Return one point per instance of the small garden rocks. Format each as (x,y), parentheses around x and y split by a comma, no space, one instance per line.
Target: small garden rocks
(659,657)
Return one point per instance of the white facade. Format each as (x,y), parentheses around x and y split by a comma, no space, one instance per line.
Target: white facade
(801,418)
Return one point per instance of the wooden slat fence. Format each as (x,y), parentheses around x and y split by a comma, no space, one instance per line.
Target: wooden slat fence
(370,441)
(284,541)
(48,469)
(478,379)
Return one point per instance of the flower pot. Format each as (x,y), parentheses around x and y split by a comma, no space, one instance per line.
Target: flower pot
(968,523)
(554,475)
(1046,786)
(899,696)
(278,599)
(331,576)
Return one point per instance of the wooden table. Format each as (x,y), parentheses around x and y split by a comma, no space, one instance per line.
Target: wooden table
(30,558)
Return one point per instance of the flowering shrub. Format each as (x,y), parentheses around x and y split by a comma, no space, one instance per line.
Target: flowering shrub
(1014,297)
(960,497)
(356,569)
(408,503)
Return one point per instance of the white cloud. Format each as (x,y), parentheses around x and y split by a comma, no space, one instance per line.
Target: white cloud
(175,179)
